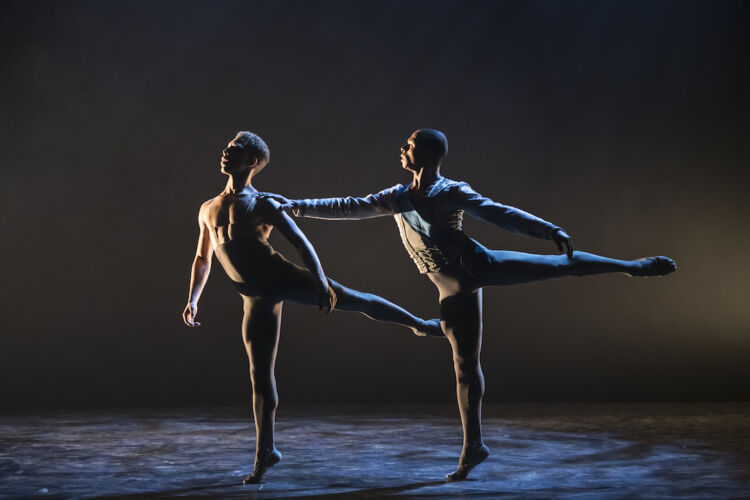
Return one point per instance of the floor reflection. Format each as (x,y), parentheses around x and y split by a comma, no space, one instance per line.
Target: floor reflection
(538,451)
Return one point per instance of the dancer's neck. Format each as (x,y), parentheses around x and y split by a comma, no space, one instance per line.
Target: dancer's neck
(238,182)
(423,178)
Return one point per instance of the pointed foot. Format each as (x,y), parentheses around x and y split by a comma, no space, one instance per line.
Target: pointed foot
(430,328)
(270,458)
(470,459)
(654,266)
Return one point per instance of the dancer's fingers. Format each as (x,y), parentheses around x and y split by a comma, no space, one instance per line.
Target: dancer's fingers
(187,316)
(323,301)
(332,299)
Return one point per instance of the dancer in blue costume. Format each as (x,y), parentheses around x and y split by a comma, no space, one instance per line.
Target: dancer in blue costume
(235,225)
(429,214)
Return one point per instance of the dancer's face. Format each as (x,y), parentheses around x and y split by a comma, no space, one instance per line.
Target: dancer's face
(410,153)
(234,158)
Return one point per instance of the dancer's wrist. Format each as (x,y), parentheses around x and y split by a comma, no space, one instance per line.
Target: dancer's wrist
(552,232)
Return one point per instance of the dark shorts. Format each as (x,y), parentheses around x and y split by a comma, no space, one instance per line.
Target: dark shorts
(257,270)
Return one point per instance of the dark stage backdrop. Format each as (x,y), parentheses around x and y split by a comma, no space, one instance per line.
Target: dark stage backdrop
(624,122)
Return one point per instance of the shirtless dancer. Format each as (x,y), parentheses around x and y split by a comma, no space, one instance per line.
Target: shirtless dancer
(429,213)
(235,225)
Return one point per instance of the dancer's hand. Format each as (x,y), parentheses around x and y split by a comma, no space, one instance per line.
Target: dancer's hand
(189,314)
(286,203)
(563,239)
(326,299)
(281,199)
(289,205)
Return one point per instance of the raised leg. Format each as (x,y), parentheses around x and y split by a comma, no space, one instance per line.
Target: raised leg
(508,268)
(260,331)
(376,307)
(461,317)
(372,306)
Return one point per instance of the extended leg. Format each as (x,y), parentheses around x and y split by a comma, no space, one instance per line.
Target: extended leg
(461,316)
(508,268)
(260,331)
(378,308)
(371,305)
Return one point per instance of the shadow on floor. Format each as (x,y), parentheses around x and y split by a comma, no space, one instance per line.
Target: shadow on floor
(227,490)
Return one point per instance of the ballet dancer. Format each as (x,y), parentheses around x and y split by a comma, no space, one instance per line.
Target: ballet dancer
(235,226)
(429,213)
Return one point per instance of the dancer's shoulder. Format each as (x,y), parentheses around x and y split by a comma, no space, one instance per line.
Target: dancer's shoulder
(459,192)
(459,186)
(445,185)
(206,206)
(390,192)
(269,202)
(393,189)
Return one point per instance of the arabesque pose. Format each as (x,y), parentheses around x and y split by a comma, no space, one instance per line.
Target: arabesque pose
(429,213)
(235,225)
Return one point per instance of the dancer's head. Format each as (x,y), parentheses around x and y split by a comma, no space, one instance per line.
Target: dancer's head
(425,148)
(246,150)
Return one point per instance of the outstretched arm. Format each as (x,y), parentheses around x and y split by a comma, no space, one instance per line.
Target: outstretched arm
(201,269)
(285,224)
(510,218)
(349,207)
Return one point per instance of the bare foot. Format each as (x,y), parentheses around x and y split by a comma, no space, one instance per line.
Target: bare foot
(654,266)
(430,328)
(272,457)
(469,459)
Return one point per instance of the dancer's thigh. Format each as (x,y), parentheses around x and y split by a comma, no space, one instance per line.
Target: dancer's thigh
(294,283)
(260,331)
(460,311)
(507,267)
(461,319)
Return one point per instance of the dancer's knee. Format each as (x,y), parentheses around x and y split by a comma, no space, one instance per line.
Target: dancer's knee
(468,371)
(348,298)
(577,264)
(260,378)
(264,389)
(565,265)
(269,400)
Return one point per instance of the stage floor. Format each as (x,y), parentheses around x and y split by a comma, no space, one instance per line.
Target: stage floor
(577,451)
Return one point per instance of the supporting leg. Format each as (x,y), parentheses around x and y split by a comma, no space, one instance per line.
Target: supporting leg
(461,316)
(260,330)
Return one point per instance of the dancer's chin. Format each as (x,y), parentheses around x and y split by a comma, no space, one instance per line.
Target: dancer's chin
(227,168)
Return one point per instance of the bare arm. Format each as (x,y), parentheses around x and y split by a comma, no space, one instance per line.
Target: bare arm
(510,218)
(349,207)
(290,230)
(200,271)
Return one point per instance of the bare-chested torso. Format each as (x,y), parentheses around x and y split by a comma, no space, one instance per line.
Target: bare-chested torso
(231,216)
(239,225)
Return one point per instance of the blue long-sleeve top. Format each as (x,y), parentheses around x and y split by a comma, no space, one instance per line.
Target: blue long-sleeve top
(433,236)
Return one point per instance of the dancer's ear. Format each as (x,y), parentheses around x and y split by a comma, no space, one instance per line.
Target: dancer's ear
(253,163)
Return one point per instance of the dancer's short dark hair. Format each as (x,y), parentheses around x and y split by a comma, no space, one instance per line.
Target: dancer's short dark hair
(434,140)
(255,147)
